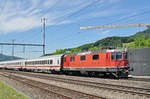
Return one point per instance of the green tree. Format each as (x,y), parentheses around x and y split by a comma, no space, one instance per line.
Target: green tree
(75,50)
(140,42)
(95,48)
(59,51)
(147,42)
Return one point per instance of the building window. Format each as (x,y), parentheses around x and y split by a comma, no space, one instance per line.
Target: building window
(72,58)
(95,57)
(82,58)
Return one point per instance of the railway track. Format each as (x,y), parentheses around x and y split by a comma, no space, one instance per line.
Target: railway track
(143,92)
(57,92)
(121,89)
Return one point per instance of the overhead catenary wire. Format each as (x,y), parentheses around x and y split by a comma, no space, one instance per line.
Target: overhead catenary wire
(81,9)
(128,17)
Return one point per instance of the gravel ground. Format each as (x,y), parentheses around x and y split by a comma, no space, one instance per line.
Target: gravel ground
(125,82)
(95,91)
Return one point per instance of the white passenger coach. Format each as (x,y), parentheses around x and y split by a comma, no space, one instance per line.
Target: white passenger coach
(46,63)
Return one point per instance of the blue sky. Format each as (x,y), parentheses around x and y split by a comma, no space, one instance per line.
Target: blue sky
(21,20)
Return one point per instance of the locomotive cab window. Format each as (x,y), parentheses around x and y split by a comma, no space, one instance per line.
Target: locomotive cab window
(95,57)
(82,58)
(116,56)
(119,56)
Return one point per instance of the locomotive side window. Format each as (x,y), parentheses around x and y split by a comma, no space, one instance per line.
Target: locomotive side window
(95,57)
(113,56)
(119,56)
(72,58)
(82,58)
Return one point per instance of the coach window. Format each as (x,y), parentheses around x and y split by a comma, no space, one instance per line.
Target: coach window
(82,58)
(113,56)
(57,61)
(45,61)
(95,57)
(119,56)
(51,61)
(72,58)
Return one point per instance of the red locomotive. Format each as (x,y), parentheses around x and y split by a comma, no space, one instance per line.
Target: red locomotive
(104,62)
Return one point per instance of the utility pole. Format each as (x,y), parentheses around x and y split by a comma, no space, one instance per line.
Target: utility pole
(44,23)
(13,49)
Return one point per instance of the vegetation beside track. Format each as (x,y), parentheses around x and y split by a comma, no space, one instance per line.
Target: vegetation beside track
(7,92)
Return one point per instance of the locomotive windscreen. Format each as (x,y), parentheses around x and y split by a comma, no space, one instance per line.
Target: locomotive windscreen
(116,56)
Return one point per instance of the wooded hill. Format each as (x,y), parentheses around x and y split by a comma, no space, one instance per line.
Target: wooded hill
(8,58)
(138,40)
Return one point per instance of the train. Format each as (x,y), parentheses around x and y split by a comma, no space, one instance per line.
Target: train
(102,63)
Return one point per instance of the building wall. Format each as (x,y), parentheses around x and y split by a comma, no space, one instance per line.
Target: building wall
(139,60)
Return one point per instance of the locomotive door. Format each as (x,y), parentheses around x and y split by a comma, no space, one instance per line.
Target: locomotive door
(107,59)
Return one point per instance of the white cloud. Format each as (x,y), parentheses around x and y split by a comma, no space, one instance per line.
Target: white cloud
(50,3)
(19,24)
(18,15)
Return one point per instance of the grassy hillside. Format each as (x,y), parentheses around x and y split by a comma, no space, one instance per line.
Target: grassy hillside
(138,40)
